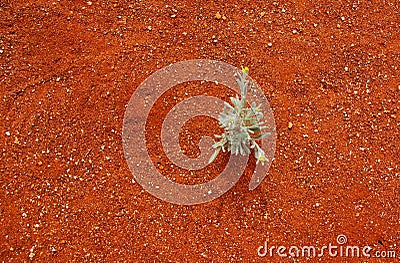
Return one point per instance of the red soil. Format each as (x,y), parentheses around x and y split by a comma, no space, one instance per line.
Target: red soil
(68,69)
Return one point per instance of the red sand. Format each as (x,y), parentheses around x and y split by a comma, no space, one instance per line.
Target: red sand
(68,69)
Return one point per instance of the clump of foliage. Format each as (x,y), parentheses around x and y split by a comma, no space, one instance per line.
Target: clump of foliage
(242,124)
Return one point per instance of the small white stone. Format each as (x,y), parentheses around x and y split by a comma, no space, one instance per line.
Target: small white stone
(8,133)
(270,44)
(1,51)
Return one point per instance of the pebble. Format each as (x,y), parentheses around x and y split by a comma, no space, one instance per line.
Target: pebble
(290,125)
(89,3)
(294,31)
(8,133)
(32,254)
(218,16)
(173,16)
(1,51)
(270,44)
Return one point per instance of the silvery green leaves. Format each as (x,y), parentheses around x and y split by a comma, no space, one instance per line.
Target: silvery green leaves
(242,124)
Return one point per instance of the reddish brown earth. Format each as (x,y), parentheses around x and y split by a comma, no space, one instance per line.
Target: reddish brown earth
(68,69)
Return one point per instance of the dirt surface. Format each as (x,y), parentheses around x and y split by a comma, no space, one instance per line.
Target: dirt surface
(68,68)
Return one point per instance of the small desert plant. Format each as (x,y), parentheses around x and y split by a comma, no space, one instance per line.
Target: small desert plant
(242,124)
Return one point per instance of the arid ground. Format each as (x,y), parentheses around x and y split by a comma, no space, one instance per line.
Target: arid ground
(330,71)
